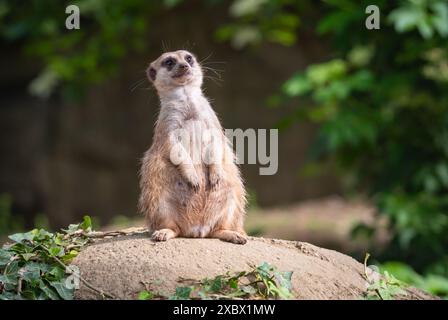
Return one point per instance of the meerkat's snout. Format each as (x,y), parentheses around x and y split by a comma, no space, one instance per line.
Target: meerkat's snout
(182,70)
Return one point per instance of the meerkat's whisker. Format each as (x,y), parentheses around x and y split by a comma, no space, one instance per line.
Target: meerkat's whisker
(207,67)
(165,46)
(218,82)
(215,71)
(206,58)
(214,62)
(137,84)
(213,77)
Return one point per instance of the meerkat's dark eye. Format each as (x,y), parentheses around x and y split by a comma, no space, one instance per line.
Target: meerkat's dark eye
(189,59)
(169,63)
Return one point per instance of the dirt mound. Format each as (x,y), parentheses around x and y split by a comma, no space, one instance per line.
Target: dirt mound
(123,265)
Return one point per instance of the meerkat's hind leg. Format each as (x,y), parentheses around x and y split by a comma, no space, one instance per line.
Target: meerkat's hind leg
(229,236)
(162,222)
(163,234)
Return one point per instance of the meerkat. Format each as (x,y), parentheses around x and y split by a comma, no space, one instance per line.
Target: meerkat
(185,197)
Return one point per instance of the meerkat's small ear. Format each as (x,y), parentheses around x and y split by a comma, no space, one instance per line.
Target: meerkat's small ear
(152,73)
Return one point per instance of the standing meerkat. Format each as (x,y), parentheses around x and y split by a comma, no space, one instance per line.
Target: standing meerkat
(181,196)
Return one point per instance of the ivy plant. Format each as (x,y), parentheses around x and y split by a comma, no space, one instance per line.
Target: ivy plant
(261,282)
(33,265)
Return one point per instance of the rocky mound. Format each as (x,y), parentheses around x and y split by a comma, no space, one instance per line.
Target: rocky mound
(123,266)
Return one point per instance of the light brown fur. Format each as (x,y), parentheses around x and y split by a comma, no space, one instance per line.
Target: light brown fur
(189,199)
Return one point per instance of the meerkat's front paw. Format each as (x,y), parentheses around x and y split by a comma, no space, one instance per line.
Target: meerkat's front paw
(163,235)
(194,182)
(214,179)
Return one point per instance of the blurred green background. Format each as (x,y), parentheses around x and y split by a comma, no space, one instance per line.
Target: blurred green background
(363,116)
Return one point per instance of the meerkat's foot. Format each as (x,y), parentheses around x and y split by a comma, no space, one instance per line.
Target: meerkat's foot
(230,236)
(163,235)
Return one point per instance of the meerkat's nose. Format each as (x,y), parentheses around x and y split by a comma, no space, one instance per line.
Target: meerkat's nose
(183,66)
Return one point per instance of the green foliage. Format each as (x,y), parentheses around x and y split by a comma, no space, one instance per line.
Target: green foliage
(383,287)
(386,288)
(261,20)
(145,295)
(382,107)
(431,283)
(427,16)
(76,59)
(33,266)
(381,103)
(262,282)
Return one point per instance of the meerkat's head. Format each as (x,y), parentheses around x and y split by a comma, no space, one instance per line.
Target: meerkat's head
(175,69)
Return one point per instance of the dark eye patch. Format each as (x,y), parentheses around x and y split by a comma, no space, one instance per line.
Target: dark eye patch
(169,63)
(189,59)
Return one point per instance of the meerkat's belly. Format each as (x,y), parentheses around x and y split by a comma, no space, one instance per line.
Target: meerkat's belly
(198,213)
(198,231)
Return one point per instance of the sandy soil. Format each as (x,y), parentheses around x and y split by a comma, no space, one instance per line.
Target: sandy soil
(123,265)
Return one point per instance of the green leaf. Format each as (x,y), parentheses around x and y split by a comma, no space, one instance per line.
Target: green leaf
(9,296)
(217,284)
(440,20)
(4,279)
(5,257)
(41,235)
(29,295)
(319,74)
(20,237)
(57,272)
(28,256)
(56,251)
(297,85)
(12,268)
(10,276)
(406,18)
(31,272)
(233,283)
(145,295)
(67,258)
(86,224)
(425,28)
(284,279)
(71,228)
(183,293)
(241,8)
(49,292)
(360,56)
(64,292)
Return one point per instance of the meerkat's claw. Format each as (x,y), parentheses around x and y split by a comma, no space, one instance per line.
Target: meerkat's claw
(214,181)
(193,182)
(194,186)
(230,236)
(239,239)
(163,235)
